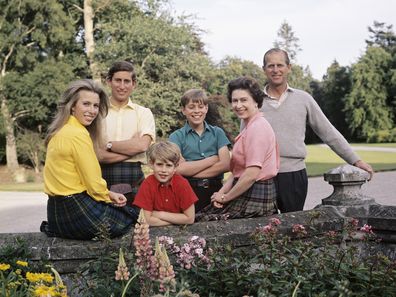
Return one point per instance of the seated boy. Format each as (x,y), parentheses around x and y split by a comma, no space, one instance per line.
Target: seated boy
(165,197)
(204,148)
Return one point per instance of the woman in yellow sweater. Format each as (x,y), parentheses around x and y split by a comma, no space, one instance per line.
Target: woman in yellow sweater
(80,206)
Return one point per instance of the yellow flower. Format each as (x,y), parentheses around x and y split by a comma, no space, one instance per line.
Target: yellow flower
(44,291)
(4,267)
(22,263)
(36,277)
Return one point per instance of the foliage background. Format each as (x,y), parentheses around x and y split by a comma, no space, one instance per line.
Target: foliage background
(43,46)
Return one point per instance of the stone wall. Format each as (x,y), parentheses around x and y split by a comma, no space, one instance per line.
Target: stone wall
(67,255)
(345,203)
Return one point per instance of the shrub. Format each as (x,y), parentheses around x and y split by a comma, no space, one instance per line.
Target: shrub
(341,263)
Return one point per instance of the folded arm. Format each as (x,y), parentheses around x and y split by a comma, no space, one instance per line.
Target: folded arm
(187,217)
(124,149)
(221,166)
(191,168)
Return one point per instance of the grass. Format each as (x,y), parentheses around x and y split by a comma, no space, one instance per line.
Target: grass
(23,187)
(319,160)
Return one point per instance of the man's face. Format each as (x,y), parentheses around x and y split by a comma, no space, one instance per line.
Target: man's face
(276,69)
(121,85)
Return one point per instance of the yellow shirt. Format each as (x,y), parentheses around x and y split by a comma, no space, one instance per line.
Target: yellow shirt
(124,122)
(71,165)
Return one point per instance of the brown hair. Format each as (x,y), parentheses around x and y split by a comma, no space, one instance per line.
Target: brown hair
(195,96)
(122,66)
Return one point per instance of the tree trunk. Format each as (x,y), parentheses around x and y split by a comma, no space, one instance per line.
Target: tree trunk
(11,149)
(89,38)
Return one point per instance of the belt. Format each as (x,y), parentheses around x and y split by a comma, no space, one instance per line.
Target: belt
(66,196)
(204,182)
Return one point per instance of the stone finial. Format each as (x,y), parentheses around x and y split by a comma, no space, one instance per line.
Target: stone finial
(347,181)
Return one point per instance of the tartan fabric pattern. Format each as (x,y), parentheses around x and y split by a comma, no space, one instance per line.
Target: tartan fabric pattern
(80,217)
(123,173)
(258,200)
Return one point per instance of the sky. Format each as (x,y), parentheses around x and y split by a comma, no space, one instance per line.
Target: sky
(328,29)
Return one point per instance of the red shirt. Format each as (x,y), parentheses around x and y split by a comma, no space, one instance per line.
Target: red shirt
(175,197)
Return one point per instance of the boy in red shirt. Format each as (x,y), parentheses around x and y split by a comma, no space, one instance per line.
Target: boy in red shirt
(165,197)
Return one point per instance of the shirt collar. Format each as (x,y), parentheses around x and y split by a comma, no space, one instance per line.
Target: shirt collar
(74,122)
(268,96)
(130,105)
(189,129)
(159,185)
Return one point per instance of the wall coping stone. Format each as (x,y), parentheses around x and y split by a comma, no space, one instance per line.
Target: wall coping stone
(347,181)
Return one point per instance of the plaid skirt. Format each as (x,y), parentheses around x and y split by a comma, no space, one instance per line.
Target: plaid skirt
(79,216)
(123,173)
(258,200)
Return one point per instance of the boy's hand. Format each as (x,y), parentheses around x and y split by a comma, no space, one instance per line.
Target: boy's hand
(118,199)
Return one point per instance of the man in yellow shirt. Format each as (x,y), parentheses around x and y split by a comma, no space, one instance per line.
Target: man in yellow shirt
(129,131)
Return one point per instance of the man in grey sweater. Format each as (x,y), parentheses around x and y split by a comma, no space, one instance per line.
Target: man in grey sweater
(288,111)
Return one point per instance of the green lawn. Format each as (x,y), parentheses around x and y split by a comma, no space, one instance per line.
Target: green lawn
(23,187)
(320,159)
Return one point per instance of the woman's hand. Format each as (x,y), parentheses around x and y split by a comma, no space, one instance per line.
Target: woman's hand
(118,199)
(218,199)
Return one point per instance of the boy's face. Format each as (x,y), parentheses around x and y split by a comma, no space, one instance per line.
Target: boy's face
(195,113)
(163,170)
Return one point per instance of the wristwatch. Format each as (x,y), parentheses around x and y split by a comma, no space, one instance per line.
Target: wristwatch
(109,145)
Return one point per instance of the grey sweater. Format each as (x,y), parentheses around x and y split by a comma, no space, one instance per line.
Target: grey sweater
(289,123)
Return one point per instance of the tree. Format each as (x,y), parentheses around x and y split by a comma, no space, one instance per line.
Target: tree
(30,32)
(288,41)
(336,86)
(366,106)
(31,147)
(382,35)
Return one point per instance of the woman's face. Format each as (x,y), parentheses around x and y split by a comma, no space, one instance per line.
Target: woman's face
(243,104)
(86,108)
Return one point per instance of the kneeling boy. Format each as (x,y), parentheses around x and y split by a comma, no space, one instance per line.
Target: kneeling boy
(165,197)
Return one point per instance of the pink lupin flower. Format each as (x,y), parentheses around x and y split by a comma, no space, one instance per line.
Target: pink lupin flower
(145,260)
(166,274)
(122,272)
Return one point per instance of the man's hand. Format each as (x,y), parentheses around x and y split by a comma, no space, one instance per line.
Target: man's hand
(366,167)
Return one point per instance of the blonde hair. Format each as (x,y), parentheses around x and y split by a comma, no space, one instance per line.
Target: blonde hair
(68,101)
(164,151)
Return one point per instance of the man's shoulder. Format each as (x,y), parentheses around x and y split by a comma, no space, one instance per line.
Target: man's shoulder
(300,94)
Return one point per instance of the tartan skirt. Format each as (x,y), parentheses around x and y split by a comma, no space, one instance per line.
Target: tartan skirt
(258,200)
(123,173)
(79,216)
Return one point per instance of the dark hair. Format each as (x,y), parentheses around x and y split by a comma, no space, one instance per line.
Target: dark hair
(249,84)
(121,66)
(195,96)
(276,50)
